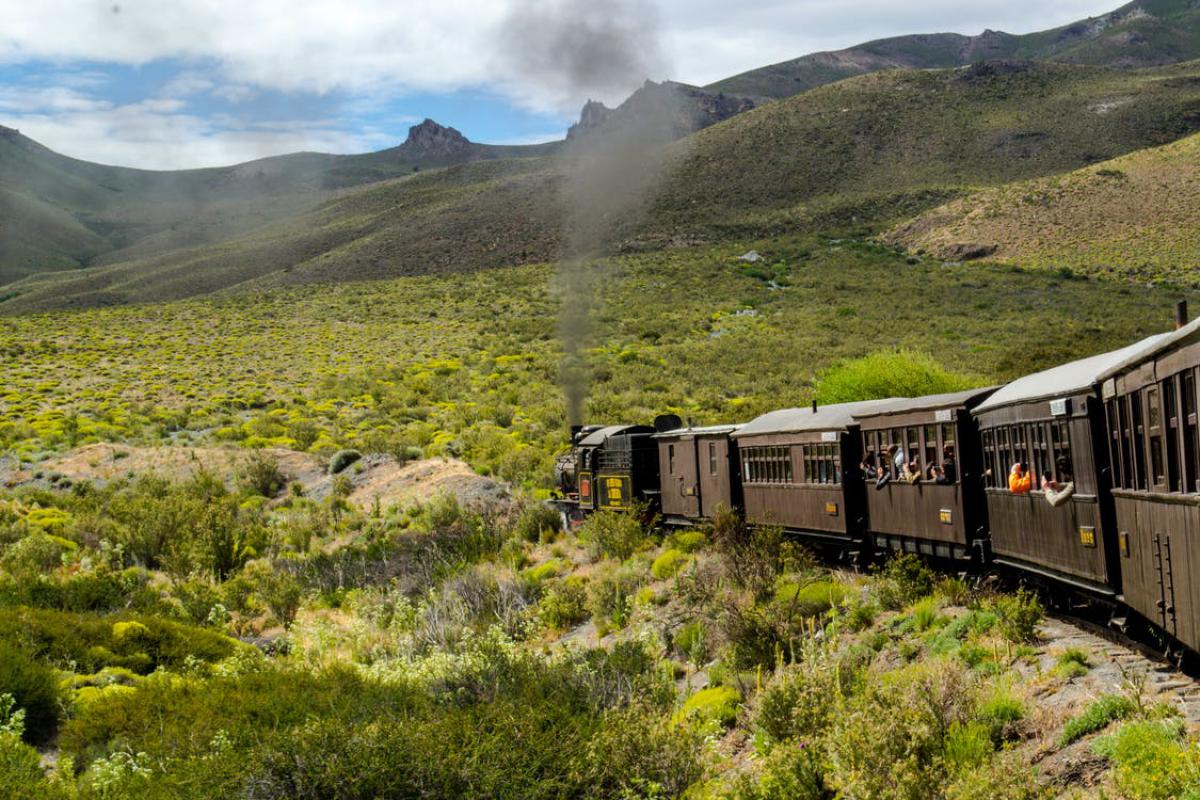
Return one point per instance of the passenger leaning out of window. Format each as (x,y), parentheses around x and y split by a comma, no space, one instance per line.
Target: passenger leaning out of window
(869,470)
(1059,488)
(946,473)
(912,472)
(1019,479)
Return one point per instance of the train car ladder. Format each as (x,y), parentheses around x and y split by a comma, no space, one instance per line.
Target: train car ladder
(1166,582)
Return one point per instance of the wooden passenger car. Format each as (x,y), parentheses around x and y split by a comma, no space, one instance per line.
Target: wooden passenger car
(800,470)
(1042,419)
(942,515)
(1150,409)
(699,472)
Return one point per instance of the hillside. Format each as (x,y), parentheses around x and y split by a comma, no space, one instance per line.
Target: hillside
(1141,34)
(1136,217)
(868,151)
(64,213)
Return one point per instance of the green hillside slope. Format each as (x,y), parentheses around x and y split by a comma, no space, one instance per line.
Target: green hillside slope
(867,152)
(1141,34)
(64,213)
(1135,217)
(880,144)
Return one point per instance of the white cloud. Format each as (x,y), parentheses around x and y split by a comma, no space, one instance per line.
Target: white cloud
(406,45)
(371,51)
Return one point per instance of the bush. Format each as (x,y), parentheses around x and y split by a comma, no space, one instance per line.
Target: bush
(1020,615)
(610,594)
(896,373)
(810,600)
(1151,761)
(33,686)
(261,474)
(1103,711)
(342,459)
(565,604)
(967,745)
(787,773)
(902,581)
(667,564)
(711,709)
(691,641)
(612,534)
(687,541)
(538,522)
(1000,711)
(1072,663)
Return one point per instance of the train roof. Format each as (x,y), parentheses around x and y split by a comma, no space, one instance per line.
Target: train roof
(599,437)
(1071,378)
(798,420)
(1186,335)
(931,402)
(710,430)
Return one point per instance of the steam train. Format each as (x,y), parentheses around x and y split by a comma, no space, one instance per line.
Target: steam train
(1111,445)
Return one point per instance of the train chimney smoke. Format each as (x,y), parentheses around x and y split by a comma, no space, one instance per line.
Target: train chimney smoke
(1181,314)
(578,50)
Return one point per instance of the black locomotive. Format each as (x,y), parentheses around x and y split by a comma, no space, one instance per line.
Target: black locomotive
(1084,478)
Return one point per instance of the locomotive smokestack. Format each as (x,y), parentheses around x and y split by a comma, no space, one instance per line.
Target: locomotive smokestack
(1181,314)
(814,406)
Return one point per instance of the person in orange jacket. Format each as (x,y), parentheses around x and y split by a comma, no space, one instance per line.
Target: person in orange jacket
(1019,479)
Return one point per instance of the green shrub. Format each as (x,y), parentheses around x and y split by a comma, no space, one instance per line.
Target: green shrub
(547,570)
(1104,710)
(342,459)
(925,614)
(667,564)
(1072,663)
(260,474)
(610,595)
(1019,615)
(1151,761)
(688,541)
(21,775)
(33,686)
(967,745)
(692,641)
(810,600)
(711,709)
(538,522)
(787,773)
(902,581)
(895,373)
(1000,711)
(565,604)
(612,534)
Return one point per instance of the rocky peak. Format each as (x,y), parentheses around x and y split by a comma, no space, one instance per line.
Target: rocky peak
(688,109)
(594,115)
(430,138)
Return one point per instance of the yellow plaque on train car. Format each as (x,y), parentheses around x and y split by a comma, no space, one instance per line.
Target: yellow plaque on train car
(1087,537)
(613,492)
(831,509)
(946,516)
(1123,542)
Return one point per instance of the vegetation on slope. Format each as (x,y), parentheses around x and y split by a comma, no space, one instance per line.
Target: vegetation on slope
(1135,217)
(467,365)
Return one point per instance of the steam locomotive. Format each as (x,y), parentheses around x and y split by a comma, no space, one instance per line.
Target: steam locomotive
(1111,445)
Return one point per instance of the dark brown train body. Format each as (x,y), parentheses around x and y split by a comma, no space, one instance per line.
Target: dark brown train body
(1115,438)
(943,514)
(699,470)
(1151,430)
(800,470)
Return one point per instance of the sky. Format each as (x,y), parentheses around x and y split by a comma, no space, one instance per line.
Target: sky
(174,84)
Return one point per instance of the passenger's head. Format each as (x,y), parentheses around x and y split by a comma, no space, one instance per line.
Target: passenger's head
(1062,465)
(893,449)
(948,451)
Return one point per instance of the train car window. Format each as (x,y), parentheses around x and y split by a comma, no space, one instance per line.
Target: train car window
(1114,442)
(1003,454)
(712,458)
(1020,446)
(1154,438)
(989,459)
(1043,457)
(671,459)
(1130,480)
(1189,432)
(1171,432)
(931,448)
(1138,424)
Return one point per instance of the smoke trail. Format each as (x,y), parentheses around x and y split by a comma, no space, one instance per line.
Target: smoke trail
(571,50)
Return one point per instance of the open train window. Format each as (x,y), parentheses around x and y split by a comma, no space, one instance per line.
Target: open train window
(1114,443)
(989,459)
(1020,444)
(1063,464)
(931,448)
(913,453)
(1191,468)
(1039,446)
(1171,432)
(1138,425)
